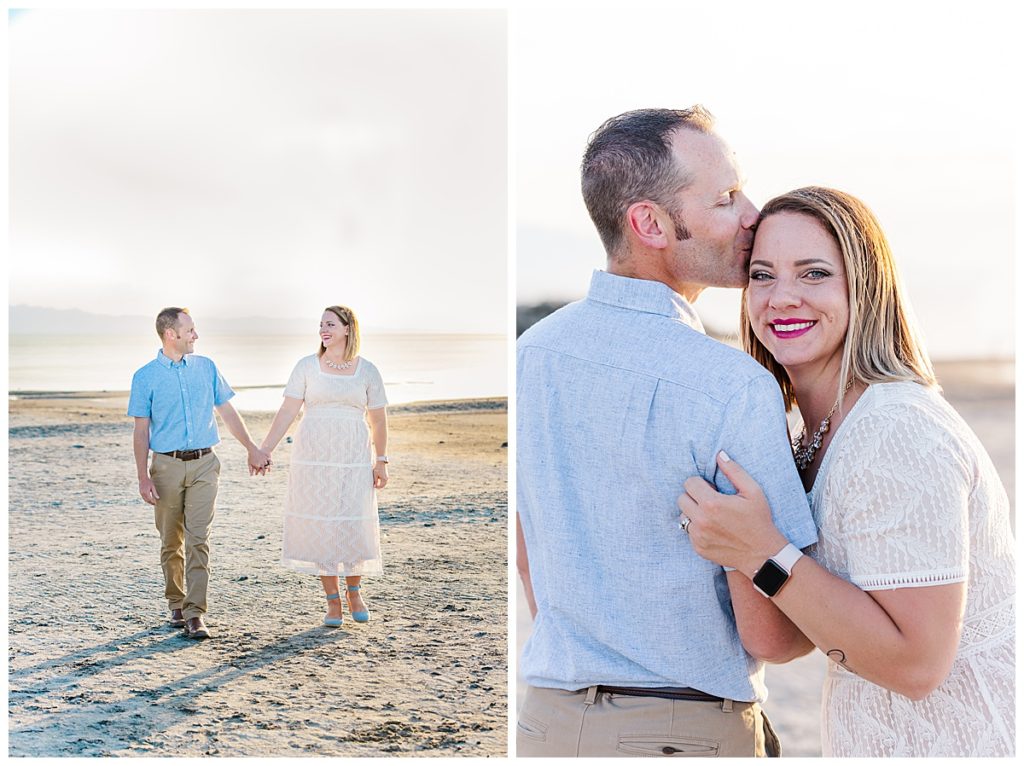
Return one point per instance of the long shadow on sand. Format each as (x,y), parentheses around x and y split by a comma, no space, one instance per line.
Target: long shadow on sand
(100,727)
(89,660)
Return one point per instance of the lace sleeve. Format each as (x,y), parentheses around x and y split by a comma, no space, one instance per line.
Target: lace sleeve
(296,386)
(375,395)
(901,486)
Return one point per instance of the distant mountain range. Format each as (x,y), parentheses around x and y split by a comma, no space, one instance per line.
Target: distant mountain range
(36,320)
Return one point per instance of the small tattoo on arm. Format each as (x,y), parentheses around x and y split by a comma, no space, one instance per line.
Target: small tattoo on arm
(838,656)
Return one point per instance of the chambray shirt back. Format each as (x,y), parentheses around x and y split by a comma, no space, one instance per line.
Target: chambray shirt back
(620,398)
(178,398)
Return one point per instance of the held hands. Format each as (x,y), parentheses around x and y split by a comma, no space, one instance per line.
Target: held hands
(148,490)
(259,461)
(730,530)
(380,474)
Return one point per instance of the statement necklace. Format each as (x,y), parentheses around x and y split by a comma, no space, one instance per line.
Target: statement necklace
(342,366)
(804,456)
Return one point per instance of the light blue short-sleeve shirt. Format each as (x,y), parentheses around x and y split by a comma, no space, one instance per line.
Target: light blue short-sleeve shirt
(620,398)
(178,398)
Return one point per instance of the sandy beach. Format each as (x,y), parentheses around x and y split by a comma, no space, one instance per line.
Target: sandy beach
(983,393)
(94,669)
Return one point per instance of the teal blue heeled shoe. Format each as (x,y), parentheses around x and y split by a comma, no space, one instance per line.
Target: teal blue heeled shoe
(363,616)
(333,622)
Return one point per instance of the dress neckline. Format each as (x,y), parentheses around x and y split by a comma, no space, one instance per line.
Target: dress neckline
(825,461)
(359,364)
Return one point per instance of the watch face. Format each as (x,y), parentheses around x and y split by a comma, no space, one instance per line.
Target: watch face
(769,578)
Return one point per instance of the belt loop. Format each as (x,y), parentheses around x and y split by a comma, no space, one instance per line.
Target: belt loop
(726,706)
(591,695)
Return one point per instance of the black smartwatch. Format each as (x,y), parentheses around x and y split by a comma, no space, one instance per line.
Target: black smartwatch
(774,573)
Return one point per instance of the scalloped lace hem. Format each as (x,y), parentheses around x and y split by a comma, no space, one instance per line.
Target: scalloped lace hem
(360,569)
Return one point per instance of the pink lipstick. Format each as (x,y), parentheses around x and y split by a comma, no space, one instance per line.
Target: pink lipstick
(791,328)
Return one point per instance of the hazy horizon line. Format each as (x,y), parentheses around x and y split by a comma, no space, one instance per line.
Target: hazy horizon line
(290,323)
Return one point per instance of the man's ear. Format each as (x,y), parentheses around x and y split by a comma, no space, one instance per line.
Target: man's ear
(645,223)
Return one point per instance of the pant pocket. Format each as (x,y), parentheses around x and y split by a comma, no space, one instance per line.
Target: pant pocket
(772,746)
(531,728)
(672,746)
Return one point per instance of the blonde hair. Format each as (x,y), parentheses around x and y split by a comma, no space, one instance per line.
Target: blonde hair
(348,318)
(882,341)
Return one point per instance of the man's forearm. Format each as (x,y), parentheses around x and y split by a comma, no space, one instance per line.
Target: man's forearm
(233,422)
(765,632)
(140,446)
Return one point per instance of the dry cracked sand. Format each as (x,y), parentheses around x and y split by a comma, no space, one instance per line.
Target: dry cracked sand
(95,670)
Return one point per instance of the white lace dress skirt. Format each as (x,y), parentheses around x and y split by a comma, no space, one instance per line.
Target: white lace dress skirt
(331,527)
(970,715)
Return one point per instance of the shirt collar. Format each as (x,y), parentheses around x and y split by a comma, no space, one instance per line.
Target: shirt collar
(643,295)
(166,360)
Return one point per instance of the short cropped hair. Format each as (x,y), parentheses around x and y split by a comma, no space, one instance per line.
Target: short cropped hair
(882,341)
(167,319)
(348,318)
(629,159)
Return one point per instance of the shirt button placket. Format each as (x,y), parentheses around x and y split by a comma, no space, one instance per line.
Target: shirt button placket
(187,399)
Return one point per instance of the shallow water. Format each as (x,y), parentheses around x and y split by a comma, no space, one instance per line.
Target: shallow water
(415,367)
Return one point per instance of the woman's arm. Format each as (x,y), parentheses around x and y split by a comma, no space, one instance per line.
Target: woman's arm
(379,433)
(282,420)
(903,639)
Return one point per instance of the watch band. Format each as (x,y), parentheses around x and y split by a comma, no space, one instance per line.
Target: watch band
(788,556)
(775,572)
(383,459)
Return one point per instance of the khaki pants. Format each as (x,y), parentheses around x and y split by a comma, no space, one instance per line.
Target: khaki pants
(555,722)
(184,514)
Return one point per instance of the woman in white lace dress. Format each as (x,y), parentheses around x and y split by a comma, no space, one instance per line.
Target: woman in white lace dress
(910,589)
(331,528)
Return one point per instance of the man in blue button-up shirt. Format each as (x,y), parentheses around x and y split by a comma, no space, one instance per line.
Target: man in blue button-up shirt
(172,400)
(639,645)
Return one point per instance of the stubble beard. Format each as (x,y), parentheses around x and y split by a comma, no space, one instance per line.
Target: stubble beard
(712,266)
(720,267)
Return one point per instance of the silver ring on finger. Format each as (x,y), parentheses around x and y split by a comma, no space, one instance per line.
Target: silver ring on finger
(685,524)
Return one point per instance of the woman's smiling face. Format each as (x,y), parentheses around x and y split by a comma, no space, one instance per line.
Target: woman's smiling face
(333,332)
(797,299)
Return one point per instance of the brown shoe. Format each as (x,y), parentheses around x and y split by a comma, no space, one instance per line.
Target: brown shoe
(194,628)
(177,619)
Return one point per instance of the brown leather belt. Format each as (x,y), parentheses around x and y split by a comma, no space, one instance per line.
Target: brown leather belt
(665,692)
(188,454)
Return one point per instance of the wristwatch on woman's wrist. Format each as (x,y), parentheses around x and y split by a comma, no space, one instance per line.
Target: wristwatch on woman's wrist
(382,459)
(775,572)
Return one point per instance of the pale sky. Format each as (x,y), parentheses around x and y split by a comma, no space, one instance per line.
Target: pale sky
(262,163)
(913,107)
(272,162)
